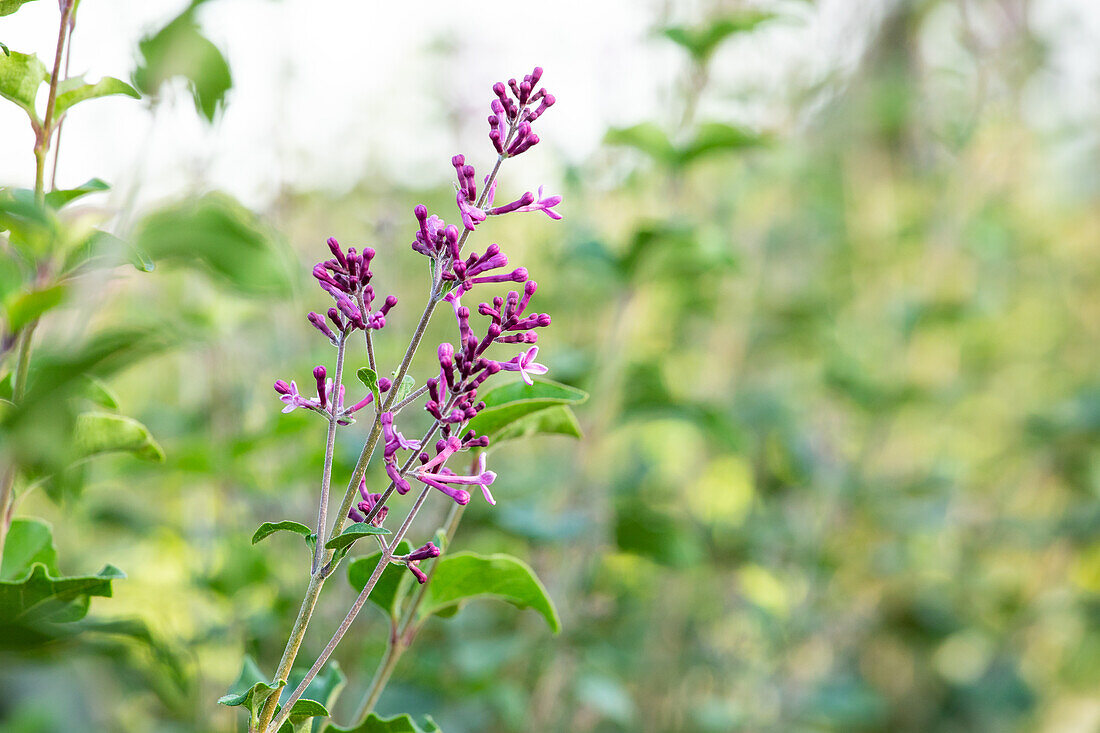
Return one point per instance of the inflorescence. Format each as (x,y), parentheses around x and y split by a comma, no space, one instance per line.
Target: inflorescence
(466,364)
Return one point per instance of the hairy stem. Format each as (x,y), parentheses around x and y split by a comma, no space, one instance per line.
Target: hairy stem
(355,608)
(330,445)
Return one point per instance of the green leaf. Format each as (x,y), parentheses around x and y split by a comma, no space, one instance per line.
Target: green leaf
(645,137)
(301,715)
(34,229)
(352,533)
(269,528)
(251,690)
(29,541)
(323,689)
(73,91)
(218,234)
(702,42)
(32,590)
(408,384)
(392,585)
(465,576)
(179,50)
(557,420)
(97,433)
(57,199)
(21,75)
(397,724)
(5,49)
(369,378)
(513,402)
(27,307)
(7,7)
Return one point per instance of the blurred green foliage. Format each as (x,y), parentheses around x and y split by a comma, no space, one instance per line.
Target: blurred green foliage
(841,469)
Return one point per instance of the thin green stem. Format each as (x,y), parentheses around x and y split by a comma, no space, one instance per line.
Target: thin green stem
(383,561)
(42,141)
(330,446)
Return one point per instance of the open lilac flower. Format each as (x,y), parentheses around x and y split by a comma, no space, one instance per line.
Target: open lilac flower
(525,365)
(444,477)
(544,204)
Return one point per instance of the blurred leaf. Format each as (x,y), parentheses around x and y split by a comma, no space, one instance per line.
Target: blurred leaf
(73,91)
(181,50)
(97,433)
(557,420)
(353,532)
(715,137)
(101,249)
(31,589)
(392,585)
(465,576)
(397,724)
(29,541)
(99,393)
(221,235)
(27,307)
(7,7)
(516,401)
(369,378)
(701,42)
(251,689)
(270,528)
(33,229)
(645,137)
(7,51)
(20,77)
(58,198)
(646,531)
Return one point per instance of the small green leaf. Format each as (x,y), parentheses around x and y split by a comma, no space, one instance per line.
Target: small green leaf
(513,402)
(5,49)
(269,528)
(7,7)
(369,378)
(302,715)
(103,432)
(392,585)
(645,137)
(21,75)
(26,307)
(397,724)
(557,420)
(465,576)
(180,50)
(352,533)
(251,690)
(99,248)
(74,91)
(57,199)
(408,384)
(325,688)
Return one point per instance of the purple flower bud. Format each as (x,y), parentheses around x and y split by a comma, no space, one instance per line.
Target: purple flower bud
(424,552)
(384,384)
(335,247)
(334,316)
(282,387)
(318,322)
(319,375)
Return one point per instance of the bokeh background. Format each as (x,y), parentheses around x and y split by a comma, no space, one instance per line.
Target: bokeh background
(832,280)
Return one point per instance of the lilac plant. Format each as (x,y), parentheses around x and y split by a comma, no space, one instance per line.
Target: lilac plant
(493,336)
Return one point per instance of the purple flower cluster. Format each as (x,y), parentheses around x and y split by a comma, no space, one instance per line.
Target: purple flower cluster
(464,365)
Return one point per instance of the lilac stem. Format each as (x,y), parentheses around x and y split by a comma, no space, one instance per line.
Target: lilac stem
(383,561)
(330,446)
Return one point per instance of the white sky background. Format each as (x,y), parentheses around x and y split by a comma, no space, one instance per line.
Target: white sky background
(327,92)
